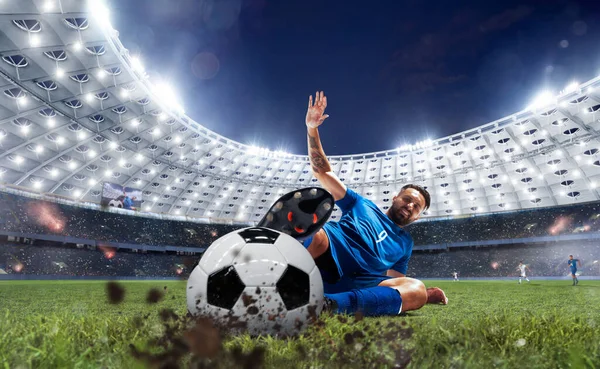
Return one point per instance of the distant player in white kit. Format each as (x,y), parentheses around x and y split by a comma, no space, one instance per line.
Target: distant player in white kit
(523,269)
(455,274)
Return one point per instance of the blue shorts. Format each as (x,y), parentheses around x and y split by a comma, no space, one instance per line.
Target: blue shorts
(330,274)
(573,271)
(358,282)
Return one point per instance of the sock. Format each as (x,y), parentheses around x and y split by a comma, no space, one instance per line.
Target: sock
(519,280)
(527,279)
(371,301)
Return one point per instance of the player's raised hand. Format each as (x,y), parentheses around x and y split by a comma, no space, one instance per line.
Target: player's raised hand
(316,109)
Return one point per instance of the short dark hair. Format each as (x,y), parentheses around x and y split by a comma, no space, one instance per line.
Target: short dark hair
(422,191)
(570,256)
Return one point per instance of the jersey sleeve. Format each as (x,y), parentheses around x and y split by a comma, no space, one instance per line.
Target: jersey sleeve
(348,201)
(402,265)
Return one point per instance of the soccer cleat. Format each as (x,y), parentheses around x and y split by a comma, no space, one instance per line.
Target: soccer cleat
(436,296)
(299,213)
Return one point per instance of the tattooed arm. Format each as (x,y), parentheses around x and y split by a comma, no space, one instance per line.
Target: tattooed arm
(318,161)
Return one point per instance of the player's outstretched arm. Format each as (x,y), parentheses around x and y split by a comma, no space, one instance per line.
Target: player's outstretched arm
(320,165)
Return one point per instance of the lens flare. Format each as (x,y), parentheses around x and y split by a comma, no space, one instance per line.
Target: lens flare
(560,224)
(109,252)
(47,215)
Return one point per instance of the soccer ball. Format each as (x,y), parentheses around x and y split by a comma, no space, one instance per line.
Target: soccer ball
(256,280)
(115,203)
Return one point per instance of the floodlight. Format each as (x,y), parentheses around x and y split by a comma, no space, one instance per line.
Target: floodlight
(542,100)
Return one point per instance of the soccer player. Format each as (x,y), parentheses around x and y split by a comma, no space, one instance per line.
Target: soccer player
(455,274)
(573,265)
(523,269)
(364,257)
(128,202)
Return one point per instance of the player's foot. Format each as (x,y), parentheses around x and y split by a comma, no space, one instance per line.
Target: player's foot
(436,296)
(299,213)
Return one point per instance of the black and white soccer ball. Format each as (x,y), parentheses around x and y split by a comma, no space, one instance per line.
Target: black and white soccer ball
(257,280)
(115,203)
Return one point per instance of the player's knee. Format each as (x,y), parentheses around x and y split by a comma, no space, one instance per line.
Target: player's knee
(420,292)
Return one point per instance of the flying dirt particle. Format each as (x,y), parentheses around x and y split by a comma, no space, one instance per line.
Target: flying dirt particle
(348,339)
(312,313)
(257,290)
(166,314)
(252,310)
(253,360)
(247,299)
(154,296)
(358,334)
(115,292)
(358,316)
(203,339)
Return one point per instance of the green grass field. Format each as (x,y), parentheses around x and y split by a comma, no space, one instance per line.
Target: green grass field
(487,324)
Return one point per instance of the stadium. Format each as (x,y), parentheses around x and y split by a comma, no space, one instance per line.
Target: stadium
(78,112)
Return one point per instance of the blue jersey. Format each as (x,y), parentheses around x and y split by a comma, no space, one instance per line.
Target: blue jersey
(127,202)
(365,243)
(573,264)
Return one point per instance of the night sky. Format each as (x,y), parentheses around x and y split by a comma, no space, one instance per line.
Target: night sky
(395,72)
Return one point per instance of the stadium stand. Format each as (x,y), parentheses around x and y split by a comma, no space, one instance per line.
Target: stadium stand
(490,262)
(544,260)
(31,217)
(101,243)
(91,262)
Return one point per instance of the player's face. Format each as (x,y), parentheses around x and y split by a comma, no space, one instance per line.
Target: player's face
(407,207)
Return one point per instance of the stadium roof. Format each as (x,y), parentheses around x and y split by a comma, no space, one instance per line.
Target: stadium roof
(77,110)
